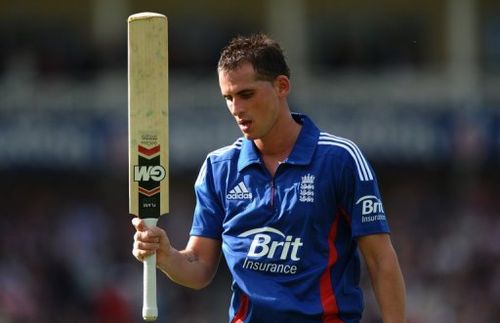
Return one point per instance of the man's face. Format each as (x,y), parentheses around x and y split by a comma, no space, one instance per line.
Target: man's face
(253,103)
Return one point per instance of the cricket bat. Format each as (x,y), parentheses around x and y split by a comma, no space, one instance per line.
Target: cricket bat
(148,132)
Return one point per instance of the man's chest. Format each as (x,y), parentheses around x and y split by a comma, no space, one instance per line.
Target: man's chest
(295,199)
(279,224)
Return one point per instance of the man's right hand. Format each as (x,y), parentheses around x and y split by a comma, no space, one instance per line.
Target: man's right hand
(148,241)
(193,267)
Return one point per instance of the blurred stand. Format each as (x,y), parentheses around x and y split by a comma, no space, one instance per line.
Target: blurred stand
(415,85)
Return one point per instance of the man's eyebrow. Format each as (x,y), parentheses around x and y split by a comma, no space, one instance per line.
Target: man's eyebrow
(245,91)
(240,92)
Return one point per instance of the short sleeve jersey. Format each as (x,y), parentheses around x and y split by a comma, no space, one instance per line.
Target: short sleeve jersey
(290,240)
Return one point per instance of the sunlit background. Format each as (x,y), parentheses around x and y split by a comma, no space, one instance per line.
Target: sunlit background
(415,83)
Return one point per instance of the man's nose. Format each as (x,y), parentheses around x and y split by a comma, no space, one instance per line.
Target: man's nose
(237,107)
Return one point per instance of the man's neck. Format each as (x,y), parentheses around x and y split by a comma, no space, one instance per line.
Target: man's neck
(279,143)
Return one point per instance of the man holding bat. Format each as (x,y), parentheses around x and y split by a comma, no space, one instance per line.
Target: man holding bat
(288,205)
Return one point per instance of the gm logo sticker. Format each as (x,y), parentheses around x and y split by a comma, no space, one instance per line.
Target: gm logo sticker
(147,173)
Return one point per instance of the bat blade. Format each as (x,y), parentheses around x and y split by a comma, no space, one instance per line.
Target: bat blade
(148,132)
(148,115)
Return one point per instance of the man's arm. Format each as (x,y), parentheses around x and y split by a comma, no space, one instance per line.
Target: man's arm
(385,275)
(193,267)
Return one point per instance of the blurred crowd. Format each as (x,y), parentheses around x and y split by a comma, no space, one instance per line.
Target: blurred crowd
(65,242)
(446,228)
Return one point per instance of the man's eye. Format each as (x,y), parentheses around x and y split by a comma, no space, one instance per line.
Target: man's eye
(246,95)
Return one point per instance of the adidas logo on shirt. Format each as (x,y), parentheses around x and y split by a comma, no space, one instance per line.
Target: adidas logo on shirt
(239,192)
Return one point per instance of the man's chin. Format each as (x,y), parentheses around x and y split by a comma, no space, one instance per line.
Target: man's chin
(248,135)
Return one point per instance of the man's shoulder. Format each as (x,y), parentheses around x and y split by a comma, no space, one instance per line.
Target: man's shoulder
(226,153)
(346,152)
(218,158)
(337,145)
(328,143)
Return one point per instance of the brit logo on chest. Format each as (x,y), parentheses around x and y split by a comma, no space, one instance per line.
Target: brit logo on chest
(272,251)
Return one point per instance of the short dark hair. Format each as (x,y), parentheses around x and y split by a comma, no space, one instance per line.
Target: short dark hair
(262,52)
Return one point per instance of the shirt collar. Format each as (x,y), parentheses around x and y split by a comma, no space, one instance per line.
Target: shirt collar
(302,151)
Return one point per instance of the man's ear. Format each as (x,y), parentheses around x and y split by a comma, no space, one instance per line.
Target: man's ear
(282,85)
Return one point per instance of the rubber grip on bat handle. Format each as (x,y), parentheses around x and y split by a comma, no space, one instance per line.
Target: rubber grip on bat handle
(149,305)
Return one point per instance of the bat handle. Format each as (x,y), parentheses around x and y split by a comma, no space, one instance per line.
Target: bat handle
(149,305)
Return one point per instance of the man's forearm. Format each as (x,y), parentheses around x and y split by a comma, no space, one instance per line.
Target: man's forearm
(389,288)
(185,268)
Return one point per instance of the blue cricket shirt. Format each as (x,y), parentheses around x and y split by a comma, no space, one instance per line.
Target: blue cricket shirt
(290,240)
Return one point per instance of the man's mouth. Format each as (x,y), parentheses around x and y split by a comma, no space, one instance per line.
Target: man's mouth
(244,124)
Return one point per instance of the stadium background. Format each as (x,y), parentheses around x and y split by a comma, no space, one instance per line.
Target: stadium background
(415,84)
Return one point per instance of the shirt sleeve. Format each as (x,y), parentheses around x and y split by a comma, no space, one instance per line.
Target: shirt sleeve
(360,197)
(208,214)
